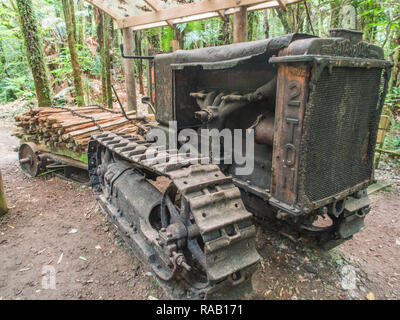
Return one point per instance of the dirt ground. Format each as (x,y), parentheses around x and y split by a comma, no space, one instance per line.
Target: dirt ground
(55,224)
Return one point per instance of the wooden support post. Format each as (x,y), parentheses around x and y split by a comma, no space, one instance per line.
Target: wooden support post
(3,203)
(174,45)
(129,68)
(240,25)
(383,128)
(150,77)
(282,4)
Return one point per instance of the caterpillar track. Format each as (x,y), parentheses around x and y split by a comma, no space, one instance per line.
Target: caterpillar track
(196,236)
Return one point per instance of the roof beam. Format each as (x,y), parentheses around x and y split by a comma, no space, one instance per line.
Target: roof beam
(153,4)
(123,16)
(104,7)
(185,10)
(210,14)
(222,15)
(156,7)
(282,4)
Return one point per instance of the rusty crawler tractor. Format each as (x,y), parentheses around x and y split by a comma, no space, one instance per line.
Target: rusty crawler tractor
(314,104)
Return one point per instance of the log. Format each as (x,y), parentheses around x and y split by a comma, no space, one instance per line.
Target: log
(66,131)
(393,153)
(107,126)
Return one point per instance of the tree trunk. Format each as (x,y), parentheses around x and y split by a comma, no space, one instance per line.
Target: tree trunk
(251,16)
(283,17)
(104,50)
(180,36)
(299,18)
(127,35)
(81,24)
(34,52)
(335,12)
(226,30)
(395,79)
(266,24)
(100,40)
(69,17)
(320,19)
(106,63)
(3,204)
(73,18)
(309,26)
(240,25)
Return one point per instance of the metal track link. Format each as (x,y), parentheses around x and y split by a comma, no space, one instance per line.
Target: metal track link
(215,204)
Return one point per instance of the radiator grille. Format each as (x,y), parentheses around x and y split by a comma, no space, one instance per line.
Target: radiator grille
(340,133)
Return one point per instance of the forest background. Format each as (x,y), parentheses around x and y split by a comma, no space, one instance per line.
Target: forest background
(82,58)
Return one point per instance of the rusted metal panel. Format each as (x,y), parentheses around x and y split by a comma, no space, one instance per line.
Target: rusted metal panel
(291,99)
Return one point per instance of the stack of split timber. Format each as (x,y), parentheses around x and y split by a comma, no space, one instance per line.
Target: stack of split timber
(70,128)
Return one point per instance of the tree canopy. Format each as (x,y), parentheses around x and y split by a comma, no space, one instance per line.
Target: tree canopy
(85,74)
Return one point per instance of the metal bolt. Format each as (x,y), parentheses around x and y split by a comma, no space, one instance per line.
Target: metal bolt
(323,210)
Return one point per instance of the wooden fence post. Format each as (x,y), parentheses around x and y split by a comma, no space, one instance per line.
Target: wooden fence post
(3,204)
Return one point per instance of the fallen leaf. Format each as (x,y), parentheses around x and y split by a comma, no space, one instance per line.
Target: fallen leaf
(301,279)
(60,258)
(266,293)
(370,296)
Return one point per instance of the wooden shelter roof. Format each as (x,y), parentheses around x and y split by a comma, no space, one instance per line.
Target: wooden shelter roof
(147,14)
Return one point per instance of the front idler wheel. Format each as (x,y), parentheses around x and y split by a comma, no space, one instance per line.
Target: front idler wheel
(30,159)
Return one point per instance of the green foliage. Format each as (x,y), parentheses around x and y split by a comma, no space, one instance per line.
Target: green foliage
(168,35)
(64,70)
(380,21)
(16,87)
(155,283)
(202,33)
(392,142)
(15,77)
(34,51)
(392,102)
